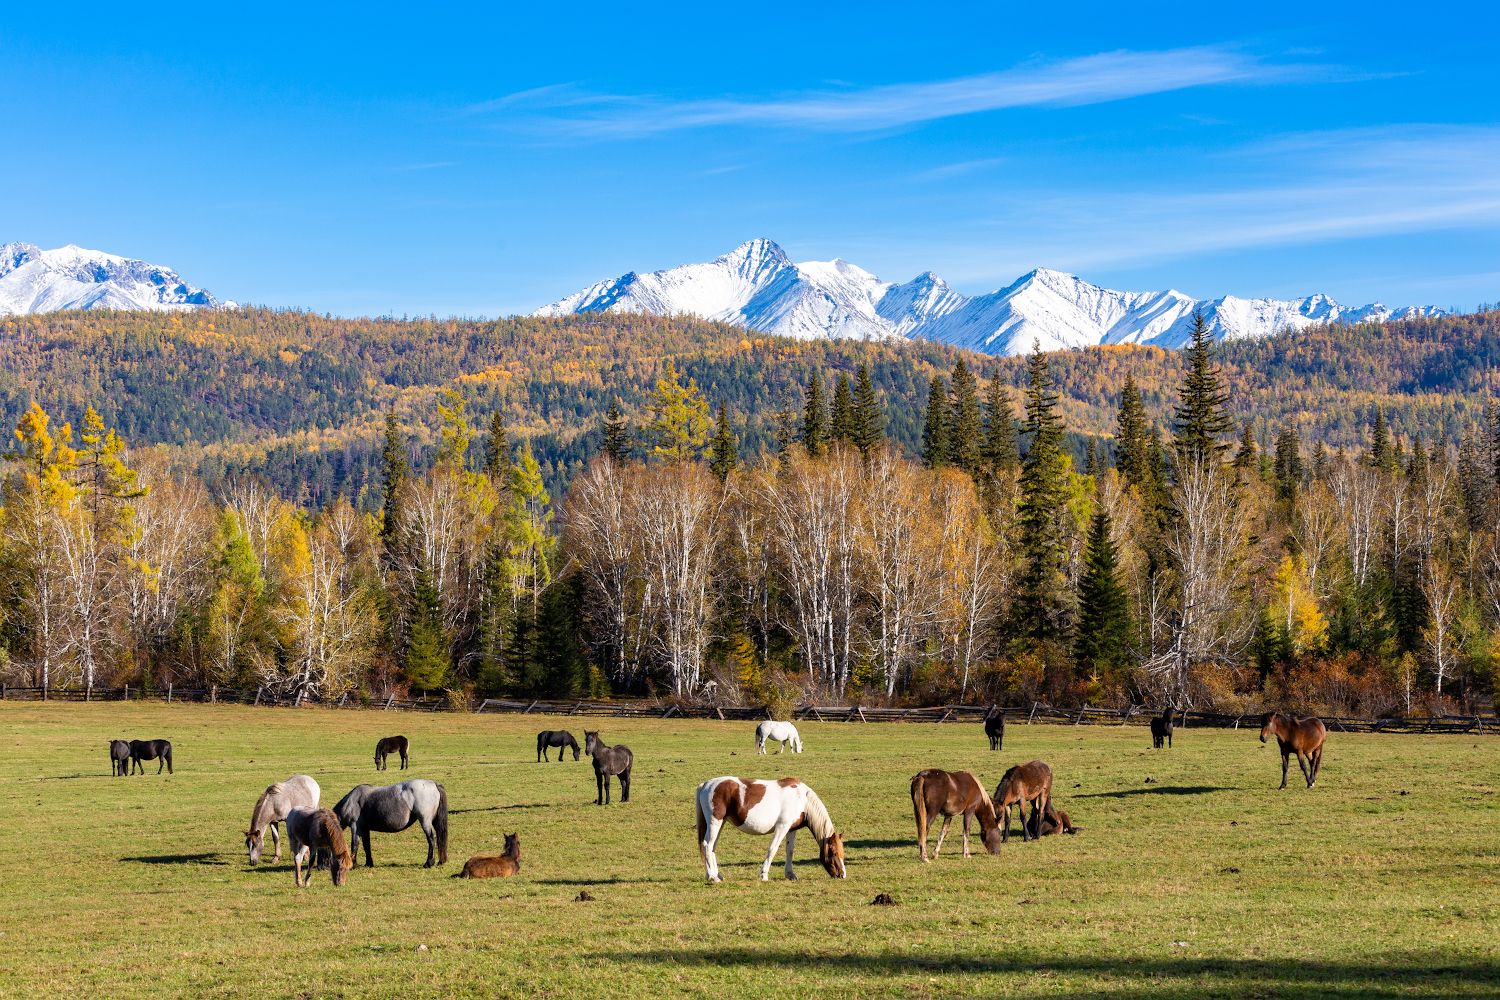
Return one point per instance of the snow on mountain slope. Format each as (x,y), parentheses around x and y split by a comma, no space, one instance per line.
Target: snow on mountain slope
(33,280)
(757,286)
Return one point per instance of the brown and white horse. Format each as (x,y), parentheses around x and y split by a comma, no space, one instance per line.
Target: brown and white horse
(1304,737)
(779,808)
(949,794)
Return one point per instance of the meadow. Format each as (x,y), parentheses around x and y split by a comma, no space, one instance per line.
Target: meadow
(1192,876)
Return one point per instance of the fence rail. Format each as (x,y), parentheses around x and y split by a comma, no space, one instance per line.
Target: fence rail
(1038,712)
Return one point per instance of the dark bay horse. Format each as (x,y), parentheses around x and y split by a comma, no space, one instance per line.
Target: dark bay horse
(315,834)
(495,865)
(1161,728)
(608,760)
(151,750)
(119,758)
(1304,737)
(393,808)
(389,745)
(559,738)
(948,794)
(1025,783)
(994,728)
(1057,821)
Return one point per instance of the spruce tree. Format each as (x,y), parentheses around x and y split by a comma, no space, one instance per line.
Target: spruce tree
(842,423)
(1288,465)
(428,664)
(1246,458)
(935,431)
(616,434)
(966,425)
(1201,421)
(1001,450)
(1381,455)
(869,420)
(1132,439)
(815,417)
(1103,636)
(497,460)
(724,452)
(394,470)
(1043,604)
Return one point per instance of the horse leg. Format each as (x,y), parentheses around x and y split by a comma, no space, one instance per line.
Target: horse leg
(942,832)
(364,838)
(1317,765)
(777,836)
(791,842)
(1304,764)
(276,840)
(1286,760)
(710,842)
(966,836)
(431,835)
(625,785)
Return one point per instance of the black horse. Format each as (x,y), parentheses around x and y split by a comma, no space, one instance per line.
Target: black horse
(391,744)
(608,760)
(393,808)
(559,738)
(994,728)
(1161,729)
(119,757)
(151,750)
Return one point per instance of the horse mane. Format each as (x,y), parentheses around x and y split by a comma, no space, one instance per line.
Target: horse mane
(327,829)
(816,814)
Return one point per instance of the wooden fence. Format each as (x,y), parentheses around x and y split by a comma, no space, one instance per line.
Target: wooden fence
(1036,712)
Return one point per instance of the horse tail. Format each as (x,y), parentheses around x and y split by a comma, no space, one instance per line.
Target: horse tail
(760,736)
(440,824)
(702,825)
(919,800)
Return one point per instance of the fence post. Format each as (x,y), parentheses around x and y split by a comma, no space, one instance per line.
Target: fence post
(169,692)
(213,694)
(1032,715)
(257,694)
(127,692)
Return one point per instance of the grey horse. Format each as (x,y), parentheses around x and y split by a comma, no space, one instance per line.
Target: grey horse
(391,809)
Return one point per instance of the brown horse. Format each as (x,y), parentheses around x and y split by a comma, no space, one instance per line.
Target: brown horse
(1025,783)
(1161,729)
(315,833)
(1057,821)
(389,745)
(495,865)
(1304,737)
(949,794)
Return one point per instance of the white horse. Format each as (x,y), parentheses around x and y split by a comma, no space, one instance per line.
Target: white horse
(297,792)
(774,807)
(777,732)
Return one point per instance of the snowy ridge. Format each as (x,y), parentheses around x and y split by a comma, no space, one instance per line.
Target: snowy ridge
(33,280)
(757,286)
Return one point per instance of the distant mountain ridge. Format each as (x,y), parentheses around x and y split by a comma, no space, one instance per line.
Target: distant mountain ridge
(756,285)
(33,280)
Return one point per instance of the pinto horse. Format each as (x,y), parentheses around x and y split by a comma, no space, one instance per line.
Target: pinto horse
(779,808)
(1304,737)
(274,805)
(559,738)
(495,865)
(994,728)
(393,808)
(777,732)
(1161,729)
(314,834)
(151,750)
(1025,783)
(390,745)
(608,760)
(119,758)
(949,794)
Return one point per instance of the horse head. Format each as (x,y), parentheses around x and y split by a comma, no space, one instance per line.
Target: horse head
(1267,725)
(591,741)
(339,866)
(831,854)
(253,840)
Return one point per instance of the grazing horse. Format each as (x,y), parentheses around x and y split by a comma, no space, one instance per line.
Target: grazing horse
(1161,728)
(151,750)
(1025,783)
(391,744)
(616,760)
(393,808)
(1056,821)
(949,794)
(777,732)
(495,865)
(119,758)
(316,833)
(274,805)
(1304,737)
(775,807)
(559,738)
(994,728)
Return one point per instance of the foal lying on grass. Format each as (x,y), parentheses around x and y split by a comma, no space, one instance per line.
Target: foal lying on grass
(495,865)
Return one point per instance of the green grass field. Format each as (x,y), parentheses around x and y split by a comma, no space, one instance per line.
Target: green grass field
(1202,881)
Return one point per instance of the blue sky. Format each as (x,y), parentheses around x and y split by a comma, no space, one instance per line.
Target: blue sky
(438,159)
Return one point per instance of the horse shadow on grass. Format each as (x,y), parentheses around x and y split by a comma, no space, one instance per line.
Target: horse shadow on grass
(207,858)
(613,880)
(487,809)
(873,845)
(1156,790)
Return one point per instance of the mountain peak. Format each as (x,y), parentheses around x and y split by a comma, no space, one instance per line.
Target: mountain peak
(33,280)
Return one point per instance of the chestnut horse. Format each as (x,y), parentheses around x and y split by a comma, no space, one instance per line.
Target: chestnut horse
(1304,737)
(1057,821)
(316,833)
(1025,783)
(779,808)
(949,794)
(495,865)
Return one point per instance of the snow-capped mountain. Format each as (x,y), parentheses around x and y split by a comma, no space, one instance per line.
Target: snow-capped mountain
(33,280)
(757,286)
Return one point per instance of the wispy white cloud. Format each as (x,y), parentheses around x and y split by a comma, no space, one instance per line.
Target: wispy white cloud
(1094,79)
(948,170)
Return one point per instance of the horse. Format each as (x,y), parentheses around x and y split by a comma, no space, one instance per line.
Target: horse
(559,738)
(775,807)
(777,732)
(1056,821)
(994,728)
(1301,736)
(616,760)
(393,808)
(314,834)
(1161,728)
(495,865)
(391,744)
(151,750)
(1025,783)
(275,803)
(949,794)
(119,758)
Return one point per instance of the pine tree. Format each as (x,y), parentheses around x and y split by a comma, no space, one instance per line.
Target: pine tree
(1246,458)
(679,418)
(869,421)
(724,451)
(616,433)
(428,665)
(1417,467)
(394,472)
(497,459)
(1319,462)
(1381,456)
(1132,440)
(1200,418)
(966,431)
(935,431)
(784,433)
(1001,450)
(842,423)
(1043,604)
(815,417)
(1288,465)
(1103,637)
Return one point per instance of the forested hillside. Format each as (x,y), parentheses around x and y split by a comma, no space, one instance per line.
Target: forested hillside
(299,397)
